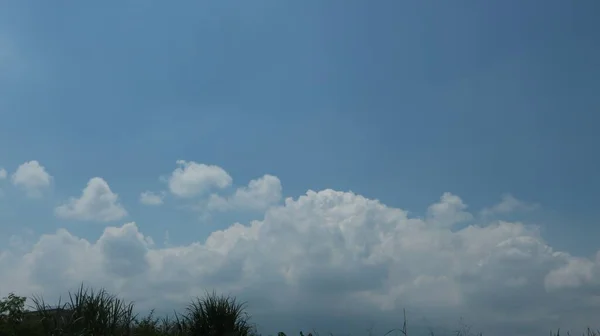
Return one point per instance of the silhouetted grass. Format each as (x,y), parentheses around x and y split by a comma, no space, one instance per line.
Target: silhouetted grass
(98,313)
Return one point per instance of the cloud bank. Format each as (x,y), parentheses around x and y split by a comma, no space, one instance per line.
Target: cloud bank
(328,259)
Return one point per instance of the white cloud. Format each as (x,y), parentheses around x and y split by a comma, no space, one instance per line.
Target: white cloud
(335,261)
(32,178)
(260,194)
(124,250)
(192,179)
(97,203)
(150,198)
(448,211)
(508,204)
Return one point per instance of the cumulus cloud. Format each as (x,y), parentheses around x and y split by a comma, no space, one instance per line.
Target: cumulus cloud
(151,198)
(335,260)
(97,203)
(448,211)
(508,204)
(124,250)
(32,178)
(577,273)
(191,179)
(260,194)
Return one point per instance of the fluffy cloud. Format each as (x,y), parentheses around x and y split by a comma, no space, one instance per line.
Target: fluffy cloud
(577,273)
(97,203)
(192,179)
(32,178)
(334,260)
(150,198)
(448,211)
(507,205)
(3,174)
(258,195)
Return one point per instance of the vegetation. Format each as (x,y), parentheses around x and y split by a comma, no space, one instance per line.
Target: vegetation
(98,313)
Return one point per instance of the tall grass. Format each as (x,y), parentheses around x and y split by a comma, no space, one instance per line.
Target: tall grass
(98,313)
(214,315)
(87,312)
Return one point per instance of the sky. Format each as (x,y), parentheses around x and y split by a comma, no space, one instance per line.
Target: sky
(331,162)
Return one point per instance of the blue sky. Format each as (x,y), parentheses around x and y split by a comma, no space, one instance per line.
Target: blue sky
(399,101)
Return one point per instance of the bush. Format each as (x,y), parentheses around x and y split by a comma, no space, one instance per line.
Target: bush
(86,313)
(215,315)
(90,313)
(12,311)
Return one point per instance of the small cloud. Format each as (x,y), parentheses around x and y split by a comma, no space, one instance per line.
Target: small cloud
(448,211)
(167,240)
(97,203)
(8,53)
(508,204)
(151,198)
(3,175)
(192,179)
(260,194)
(32,178)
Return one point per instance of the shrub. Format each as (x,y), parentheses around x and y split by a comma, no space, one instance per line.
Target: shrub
(86,313)
(12,311)
(215,315)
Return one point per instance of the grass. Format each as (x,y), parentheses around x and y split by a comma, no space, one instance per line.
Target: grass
(98,313)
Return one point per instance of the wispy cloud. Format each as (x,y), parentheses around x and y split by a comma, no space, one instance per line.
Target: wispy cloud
(508,204)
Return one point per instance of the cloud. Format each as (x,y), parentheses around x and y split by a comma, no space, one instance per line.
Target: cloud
(192,179)
(8,55)
(334,261)
(448,211)
(124,250)
(32,178)
(258,195)
(509,204)
(577,273)
(97,203)
(13,62)
(150,198)
(3,175)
